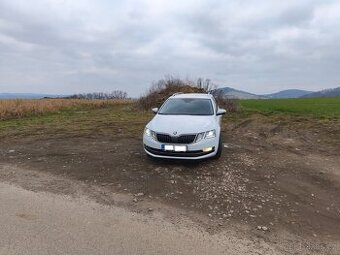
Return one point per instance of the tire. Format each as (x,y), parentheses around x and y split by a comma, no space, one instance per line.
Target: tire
(219,150)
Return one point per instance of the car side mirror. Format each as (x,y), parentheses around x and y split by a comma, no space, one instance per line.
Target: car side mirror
(155,110)
(221,111)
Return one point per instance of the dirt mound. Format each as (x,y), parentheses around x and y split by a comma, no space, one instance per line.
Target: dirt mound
(163,89)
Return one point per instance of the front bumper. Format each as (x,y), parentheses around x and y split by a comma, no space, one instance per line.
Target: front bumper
(171,154)
(195,150)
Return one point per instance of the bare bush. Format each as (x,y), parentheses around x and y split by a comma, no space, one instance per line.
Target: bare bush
(229,104)
(168,86)
(164,88)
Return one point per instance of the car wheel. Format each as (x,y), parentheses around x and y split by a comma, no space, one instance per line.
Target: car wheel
(219,150)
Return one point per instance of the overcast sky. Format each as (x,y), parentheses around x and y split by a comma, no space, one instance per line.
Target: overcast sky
(69,46)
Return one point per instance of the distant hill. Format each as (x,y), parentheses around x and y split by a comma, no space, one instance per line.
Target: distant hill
(24,96)
(289,93)
(229,92)
(234,93)
(325,93)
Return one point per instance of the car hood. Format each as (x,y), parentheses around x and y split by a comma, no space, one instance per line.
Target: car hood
(182,124)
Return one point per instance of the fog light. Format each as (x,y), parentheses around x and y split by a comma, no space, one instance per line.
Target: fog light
(208,149)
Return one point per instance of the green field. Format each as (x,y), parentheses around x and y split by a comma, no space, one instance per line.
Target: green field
(110,121)
(309,107)
(114,119)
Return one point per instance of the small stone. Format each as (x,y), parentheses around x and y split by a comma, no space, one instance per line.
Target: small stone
(259,228)
(135,200)
(264,228)
(11,151)
(139,194)
(210,215)
(150,209)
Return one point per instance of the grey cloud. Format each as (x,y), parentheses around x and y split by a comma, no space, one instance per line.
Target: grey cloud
(261,46)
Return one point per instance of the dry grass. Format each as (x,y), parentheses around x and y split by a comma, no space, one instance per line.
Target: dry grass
(17,108)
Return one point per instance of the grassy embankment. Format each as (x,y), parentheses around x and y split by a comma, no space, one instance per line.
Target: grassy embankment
(315,115)
(22,118)
(302,107)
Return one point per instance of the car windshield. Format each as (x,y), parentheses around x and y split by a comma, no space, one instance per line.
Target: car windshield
(187,106)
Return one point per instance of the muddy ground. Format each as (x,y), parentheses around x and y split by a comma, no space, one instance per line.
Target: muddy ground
(276,182)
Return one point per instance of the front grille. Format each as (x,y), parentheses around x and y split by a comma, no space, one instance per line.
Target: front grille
(164,138)
(186,138)
(183,139)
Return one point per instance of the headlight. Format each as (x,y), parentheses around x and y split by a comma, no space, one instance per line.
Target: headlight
(205,135)
(149,132)
(210,134)
(199,137)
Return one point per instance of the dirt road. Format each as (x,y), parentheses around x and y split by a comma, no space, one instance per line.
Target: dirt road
(42,223)
(275,190)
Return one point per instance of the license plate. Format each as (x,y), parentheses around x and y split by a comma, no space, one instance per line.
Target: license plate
(180,148)
(177,148)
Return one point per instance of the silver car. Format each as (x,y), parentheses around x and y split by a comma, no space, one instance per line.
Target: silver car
(186,126)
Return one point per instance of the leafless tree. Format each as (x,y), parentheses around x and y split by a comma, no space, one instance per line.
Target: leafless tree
(205,84)
(116,94)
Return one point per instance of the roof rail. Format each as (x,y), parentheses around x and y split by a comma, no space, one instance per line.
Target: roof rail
(177,93)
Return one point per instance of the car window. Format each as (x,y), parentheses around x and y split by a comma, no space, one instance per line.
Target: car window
(187,106)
